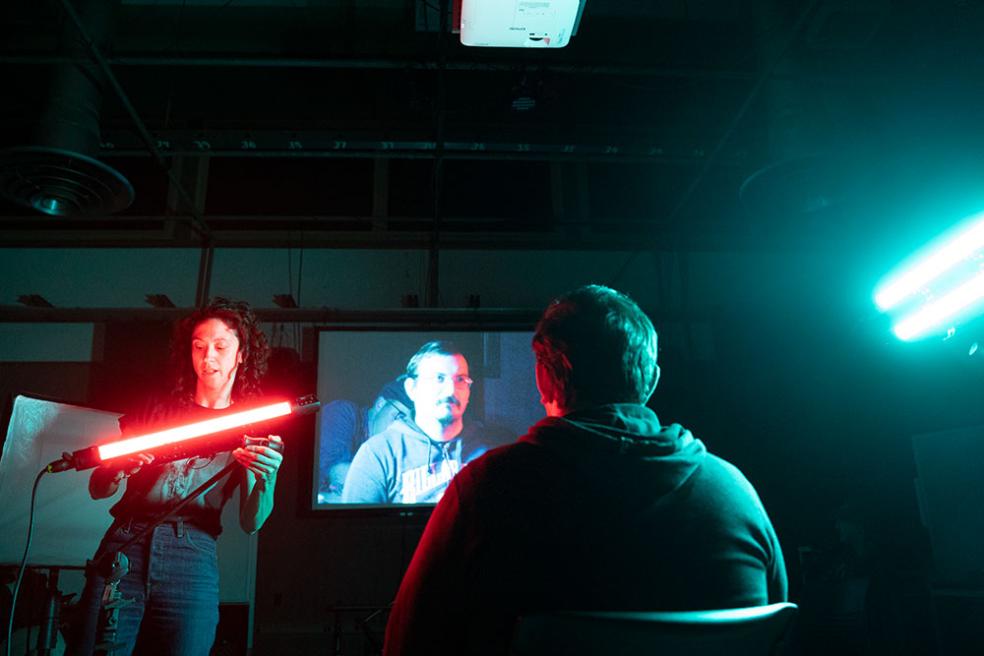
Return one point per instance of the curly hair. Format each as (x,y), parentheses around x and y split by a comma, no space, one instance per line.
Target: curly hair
(597,346)
(238,317)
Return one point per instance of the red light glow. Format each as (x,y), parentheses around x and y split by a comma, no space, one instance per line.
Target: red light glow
(145,443)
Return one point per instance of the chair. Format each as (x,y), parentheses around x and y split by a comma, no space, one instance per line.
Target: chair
(756,631)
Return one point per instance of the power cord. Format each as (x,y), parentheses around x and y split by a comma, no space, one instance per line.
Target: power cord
(23,563)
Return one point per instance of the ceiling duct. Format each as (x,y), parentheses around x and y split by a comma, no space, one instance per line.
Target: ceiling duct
(820,155)
(57,174)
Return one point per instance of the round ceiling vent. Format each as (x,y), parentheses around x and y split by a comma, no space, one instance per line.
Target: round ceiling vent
(61,182)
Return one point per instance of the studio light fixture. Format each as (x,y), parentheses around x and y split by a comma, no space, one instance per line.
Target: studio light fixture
(285,301)
(183,440)
(147,443)
(940,286)
(935,315)
(34,300)
(160,301)
(938,261)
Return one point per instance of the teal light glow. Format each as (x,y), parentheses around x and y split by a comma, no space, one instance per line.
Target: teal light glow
(915,278)
(933,315)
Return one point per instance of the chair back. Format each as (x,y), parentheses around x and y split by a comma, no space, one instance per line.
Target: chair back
(756,631)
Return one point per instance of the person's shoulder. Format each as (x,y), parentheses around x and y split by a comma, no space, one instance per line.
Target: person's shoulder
(728,482)
(499,481)
(502,460)
(724,470)
(389,437)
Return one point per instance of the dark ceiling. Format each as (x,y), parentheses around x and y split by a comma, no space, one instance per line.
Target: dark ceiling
(361,124)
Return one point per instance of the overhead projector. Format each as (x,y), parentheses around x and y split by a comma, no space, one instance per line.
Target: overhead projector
(519,23)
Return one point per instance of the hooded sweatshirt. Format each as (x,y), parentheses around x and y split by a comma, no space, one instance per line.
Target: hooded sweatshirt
(599,510)
(402,465)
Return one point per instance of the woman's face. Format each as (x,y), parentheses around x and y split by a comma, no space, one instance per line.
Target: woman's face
(215,355)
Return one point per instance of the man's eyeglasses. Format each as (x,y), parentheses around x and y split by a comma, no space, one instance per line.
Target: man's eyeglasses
(460,380)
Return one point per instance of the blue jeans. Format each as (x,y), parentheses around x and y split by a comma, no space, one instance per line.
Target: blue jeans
(173,581)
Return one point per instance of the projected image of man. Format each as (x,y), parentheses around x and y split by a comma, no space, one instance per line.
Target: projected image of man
(413,460)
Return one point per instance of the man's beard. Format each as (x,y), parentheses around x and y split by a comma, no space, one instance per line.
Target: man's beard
(447,415)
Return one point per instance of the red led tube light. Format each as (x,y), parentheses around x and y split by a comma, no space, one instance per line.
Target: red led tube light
(96,455)
(146,443)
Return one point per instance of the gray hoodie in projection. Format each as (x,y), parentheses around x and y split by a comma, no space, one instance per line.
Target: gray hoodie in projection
(402,465)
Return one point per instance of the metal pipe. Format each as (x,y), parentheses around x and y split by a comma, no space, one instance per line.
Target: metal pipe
(739,115)
(502,317)
(204,273)
(197,223)
(388,64)
(432,297)
(531,155)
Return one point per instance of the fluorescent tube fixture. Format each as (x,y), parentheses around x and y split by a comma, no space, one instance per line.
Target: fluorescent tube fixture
(927,269)
(519,23)
(934,314)
(940,286)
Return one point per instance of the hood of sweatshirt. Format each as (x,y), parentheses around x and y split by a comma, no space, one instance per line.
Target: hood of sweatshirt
(624,445)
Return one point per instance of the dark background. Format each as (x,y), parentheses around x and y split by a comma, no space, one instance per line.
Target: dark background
(747,171)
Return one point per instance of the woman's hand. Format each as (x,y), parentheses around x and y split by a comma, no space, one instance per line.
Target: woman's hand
(106,479)
(262,457)
(132,465)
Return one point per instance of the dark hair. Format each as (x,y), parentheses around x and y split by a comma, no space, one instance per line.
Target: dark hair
(238,316)
(436,347)
(597,346)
